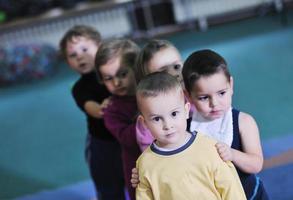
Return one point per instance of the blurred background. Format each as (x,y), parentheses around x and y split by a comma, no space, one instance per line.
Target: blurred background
(42,131)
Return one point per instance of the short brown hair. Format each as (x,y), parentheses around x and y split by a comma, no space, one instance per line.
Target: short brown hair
(156,83)
(79,30)
(203,63)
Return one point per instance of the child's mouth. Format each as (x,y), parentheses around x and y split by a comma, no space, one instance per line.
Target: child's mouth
(120,90)
(170,134)
(82,65)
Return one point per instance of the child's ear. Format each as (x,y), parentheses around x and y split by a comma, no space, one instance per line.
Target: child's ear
(141,121)
(187,109)
(231,84)
(186,94)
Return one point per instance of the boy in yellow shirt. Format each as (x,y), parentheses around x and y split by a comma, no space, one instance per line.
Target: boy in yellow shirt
(178,164)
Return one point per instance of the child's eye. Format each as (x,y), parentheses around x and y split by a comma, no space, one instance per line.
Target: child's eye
(107,78)
(177,66)
(222,93)
(72,55)
(174,114)
(123,74)
(156,119)
(203,98)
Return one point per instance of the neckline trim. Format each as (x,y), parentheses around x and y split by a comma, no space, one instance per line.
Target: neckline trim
(172,152)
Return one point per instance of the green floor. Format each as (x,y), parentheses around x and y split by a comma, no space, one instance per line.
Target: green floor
(42,137)
(42,132)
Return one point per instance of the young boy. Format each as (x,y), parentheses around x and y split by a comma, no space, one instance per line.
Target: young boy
(209,85)
(178,164)
(79,46)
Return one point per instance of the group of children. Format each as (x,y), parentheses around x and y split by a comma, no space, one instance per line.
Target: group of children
(167,129)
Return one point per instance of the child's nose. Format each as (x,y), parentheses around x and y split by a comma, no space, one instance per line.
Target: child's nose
(213,102)
(79,57)
(167,125)
(116,81)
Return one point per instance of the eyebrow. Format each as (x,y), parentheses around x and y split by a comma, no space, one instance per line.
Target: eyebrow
(153,114)
(204,94)
(121,69)
(223,89)
(171,64)
(164,67)
(174,109)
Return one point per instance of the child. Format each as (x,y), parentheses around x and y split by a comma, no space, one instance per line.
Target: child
(210,88)
(156,56)
(79,46)
(115,62)
(178,164)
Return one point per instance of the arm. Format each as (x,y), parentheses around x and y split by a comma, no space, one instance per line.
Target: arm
(227,182)
(251,159)
(122,127)
(143,189)
(90,98)
(95,109)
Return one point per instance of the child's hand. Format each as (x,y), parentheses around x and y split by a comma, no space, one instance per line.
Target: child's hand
(134,178)
(224,151)
(105,103)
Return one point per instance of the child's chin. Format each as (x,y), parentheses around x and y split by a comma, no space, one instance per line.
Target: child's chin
(85,71)
(121,94)
(213,117)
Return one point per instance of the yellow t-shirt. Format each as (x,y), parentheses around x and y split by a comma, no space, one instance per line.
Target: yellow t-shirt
(194,171)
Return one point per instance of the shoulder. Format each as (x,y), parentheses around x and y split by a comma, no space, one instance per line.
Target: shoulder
(146,158)
(248,128)
(245,119)
(89,81)
(77,86)
(202,139)
(205,152)
(123,105)
(77,83)
(205,145)
(80,85)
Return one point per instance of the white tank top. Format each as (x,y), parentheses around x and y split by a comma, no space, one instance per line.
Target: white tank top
(219,129)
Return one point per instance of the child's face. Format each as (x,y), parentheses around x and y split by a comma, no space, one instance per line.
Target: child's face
(119,80)
(168,60)
(165,115)
(80,54)
(212,95)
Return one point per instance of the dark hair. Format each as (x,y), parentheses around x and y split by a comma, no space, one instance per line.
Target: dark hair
(79,31)
(203,63)
(156,83)
(146,54)
(125,48)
